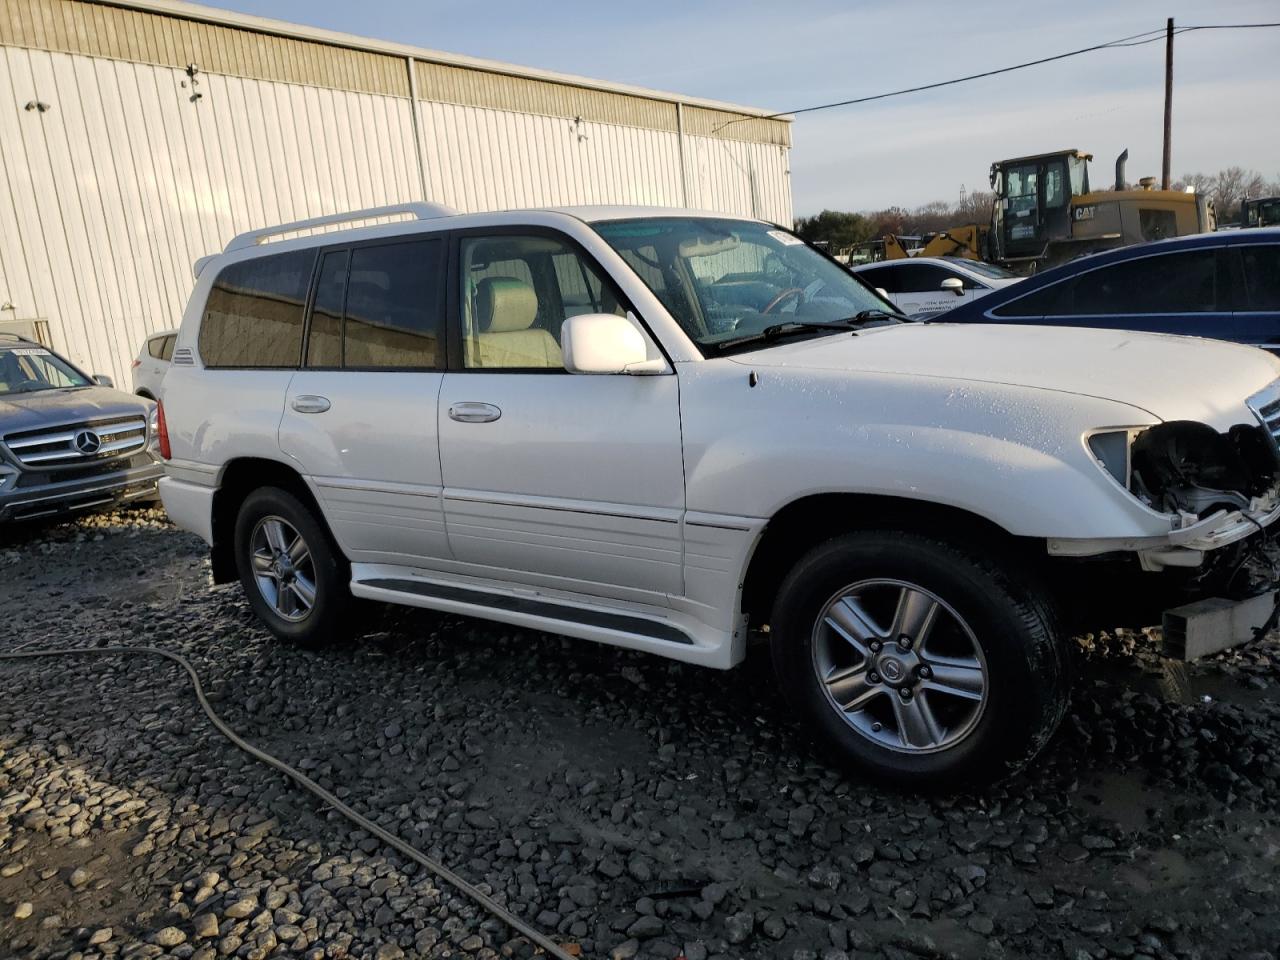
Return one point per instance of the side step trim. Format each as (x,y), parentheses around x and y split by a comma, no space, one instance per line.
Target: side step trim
(621,622)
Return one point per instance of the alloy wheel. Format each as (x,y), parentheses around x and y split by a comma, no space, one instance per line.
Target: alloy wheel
(900,666)
(283,568)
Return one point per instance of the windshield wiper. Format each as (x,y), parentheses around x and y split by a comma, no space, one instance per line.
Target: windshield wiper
(868,316)
(873,317)
(777,330)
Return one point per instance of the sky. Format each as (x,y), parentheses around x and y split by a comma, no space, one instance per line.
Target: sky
(907,150)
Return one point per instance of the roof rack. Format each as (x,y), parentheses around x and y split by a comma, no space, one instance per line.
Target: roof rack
(422,211)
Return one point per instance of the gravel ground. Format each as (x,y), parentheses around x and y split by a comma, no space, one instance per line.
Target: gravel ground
(628,805)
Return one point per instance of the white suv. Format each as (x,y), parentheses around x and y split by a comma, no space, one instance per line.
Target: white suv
(670,431)
(152,363)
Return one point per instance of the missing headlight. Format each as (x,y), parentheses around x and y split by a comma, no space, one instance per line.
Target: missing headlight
(1111,449)
(1188,466)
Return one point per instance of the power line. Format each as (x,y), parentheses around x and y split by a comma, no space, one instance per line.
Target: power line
(1136,40)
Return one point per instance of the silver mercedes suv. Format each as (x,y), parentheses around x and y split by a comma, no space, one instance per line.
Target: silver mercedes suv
(68,441)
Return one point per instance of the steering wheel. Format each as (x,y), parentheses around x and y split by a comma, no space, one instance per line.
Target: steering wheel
(783,297)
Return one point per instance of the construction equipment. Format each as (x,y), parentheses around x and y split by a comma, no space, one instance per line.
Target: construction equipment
(1260,212)
(968,242)
(1045,212)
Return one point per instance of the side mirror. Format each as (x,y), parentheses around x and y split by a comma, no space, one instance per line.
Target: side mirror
(955,285)
(884,294)
(606,343)
(102,380)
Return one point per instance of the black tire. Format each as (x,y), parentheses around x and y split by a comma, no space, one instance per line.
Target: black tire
(1027,667)
(328,619)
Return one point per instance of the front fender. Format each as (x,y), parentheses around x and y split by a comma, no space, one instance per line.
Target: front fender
(1013,455)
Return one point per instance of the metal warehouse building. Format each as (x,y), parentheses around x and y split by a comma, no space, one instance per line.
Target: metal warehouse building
(138,136)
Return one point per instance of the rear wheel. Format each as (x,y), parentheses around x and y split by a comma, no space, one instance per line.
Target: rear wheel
(916,661)
(294,577)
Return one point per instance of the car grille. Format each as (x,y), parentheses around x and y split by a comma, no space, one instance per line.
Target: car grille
(79,443)
(1265,405)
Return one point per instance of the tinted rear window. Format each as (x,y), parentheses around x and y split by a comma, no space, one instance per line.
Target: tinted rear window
(1262,276)
(253,318)
(379,307)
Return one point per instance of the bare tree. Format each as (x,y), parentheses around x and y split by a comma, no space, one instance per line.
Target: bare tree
(1227,188)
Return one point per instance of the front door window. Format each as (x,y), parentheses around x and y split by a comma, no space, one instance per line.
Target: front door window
(517,292)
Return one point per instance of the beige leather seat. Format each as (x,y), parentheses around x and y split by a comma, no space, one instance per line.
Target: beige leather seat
(503,313)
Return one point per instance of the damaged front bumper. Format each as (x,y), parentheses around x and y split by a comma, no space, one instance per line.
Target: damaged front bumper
(1185,546)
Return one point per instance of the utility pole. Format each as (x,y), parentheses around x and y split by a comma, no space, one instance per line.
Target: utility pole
(1165,170)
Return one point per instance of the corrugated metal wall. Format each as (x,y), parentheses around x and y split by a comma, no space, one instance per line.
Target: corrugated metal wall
(108,198)
(109,194)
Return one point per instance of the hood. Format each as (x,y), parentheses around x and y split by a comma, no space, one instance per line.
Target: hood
(30,411)
(1171,378)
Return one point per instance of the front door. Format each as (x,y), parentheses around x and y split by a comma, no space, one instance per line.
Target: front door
(360,416)
(556,479)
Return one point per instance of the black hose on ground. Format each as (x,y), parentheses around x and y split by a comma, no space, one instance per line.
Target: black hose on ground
(481,898)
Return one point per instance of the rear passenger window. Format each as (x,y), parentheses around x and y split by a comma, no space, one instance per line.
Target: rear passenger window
(392,316)
(882,278)
(166,351)
(253,317)
(1261,276)
(324,341)
(378,308)
(1169,283)
(919,278)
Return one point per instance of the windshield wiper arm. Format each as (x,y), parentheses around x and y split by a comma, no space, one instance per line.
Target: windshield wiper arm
(866,316)
(777,330)
(791,326)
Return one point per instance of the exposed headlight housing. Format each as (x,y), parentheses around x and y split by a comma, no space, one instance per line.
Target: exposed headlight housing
(8,476)
(1113,451)
(1186,467)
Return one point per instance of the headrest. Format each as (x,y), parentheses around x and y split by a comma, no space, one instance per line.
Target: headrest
(504,305)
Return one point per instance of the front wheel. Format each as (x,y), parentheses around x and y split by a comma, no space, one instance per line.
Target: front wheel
(294,577)
(916,661)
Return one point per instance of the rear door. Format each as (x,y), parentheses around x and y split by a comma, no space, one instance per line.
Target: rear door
(1258,302)
(360,416)
(551,478)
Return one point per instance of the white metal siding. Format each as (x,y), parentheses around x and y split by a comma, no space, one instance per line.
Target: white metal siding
(108,197)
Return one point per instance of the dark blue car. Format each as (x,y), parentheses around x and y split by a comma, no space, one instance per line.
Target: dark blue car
(1221,285)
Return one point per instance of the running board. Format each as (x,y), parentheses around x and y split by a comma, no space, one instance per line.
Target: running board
(520,609)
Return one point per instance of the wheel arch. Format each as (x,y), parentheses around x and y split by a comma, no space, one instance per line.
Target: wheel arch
(239,478)
(804,523)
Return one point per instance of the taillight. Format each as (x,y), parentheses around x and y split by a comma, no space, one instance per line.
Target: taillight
(136,364)
(162,431)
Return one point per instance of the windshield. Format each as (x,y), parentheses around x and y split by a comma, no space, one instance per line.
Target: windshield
(984,269)
(27,369)
(729,280)
(1264,213)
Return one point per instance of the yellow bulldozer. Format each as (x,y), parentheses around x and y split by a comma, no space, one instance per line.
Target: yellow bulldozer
(1046,212)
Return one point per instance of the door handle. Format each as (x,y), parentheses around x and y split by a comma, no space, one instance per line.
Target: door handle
(308,403)
(470,412)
